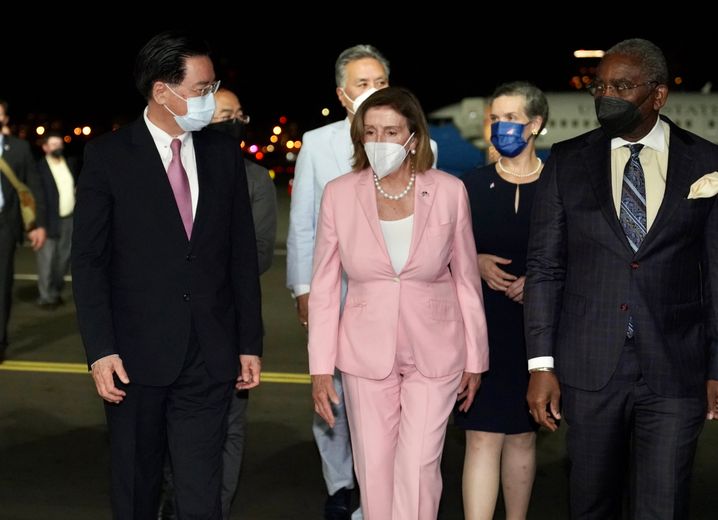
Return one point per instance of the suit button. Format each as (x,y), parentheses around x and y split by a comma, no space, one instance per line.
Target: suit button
(189,258)
(186,297)
(396,279)
(624,307)
(634,265)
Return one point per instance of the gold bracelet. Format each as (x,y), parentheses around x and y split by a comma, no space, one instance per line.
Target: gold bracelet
(540,369)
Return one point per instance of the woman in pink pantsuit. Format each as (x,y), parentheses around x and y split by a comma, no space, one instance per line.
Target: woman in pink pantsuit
(412,337)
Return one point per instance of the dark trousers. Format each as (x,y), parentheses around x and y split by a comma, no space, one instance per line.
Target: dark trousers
(188,417)
(231,459)
(7,263)
(53,262)
(626,437)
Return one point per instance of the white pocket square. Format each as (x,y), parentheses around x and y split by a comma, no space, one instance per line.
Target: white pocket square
(706,186)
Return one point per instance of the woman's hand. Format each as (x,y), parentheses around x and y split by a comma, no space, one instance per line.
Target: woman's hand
(515,292)
(323,392)
(468,387)
(495,277)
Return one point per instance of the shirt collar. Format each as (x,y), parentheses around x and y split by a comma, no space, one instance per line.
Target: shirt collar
(655,139)
(161,137)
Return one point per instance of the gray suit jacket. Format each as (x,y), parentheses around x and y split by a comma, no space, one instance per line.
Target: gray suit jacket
(263,198)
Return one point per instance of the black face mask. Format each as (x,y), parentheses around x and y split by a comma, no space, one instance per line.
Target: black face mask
(57,153)
(617,116)
(230,127)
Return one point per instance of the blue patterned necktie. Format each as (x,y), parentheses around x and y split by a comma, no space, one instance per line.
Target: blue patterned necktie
(633,207)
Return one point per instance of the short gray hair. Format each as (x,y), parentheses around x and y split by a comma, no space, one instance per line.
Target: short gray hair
(650,56)
(356,53)
(536,103)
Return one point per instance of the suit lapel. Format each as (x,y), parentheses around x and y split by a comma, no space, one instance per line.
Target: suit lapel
(157,183)
(203,157)
(424,197)
(678,183)
(367,201)
(595,158)
(342,148)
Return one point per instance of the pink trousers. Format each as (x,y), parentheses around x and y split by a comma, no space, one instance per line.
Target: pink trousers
(398,426)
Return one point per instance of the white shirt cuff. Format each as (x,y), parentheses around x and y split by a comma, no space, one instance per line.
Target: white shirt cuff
(541,362)
(300,289)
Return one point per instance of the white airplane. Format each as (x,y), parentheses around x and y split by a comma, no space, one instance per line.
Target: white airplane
(573,113)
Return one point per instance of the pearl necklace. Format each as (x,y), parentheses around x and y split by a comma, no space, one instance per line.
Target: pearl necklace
(520,175)
(394,197)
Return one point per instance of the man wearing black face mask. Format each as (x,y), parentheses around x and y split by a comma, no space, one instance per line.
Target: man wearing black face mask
(621,295)
(229,118)
(58,182)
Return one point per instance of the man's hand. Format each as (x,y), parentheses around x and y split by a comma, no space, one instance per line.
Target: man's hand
(102,371)
(37,238)
(495,277)
(468,387)
(250,368)
(323,392)
(543,396)
(712,389)
(515,291)
(303,309)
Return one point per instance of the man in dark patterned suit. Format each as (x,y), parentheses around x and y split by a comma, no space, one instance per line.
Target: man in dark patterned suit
(621,295)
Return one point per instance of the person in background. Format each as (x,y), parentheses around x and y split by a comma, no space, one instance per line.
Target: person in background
(500,433)
(229,118)
(58,175)
(326,153)
(16,153)
(164,265)
(412,335)
(621,295)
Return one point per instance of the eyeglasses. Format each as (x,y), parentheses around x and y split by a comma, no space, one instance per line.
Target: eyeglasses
(209,89)
(622,88)
(238,116)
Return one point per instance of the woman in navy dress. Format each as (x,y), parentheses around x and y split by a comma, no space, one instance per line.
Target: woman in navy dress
(500,433)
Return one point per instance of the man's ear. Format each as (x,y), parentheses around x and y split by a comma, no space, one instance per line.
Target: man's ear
(160,92)
(660,97)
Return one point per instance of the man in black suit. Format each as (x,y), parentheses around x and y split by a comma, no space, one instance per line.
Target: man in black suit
(18,156)
(166,283)
(58,175)
(621,295)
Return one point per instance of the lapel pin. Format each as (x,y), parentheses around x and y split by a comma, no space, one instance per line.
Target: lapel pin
(491,186)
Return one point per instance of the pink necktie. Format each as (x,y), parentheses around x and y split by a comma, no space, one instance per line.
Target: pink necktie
(180,186)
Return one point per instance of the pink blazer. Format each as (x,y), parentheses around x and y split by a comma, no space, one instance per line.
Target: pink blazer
(437,294)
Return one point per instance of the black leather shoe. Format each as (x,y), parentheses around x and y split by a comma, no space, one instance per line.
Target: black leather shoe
(337,505)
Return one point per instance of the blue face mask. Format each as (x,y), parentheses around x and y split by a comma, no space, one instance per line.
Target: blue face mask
(199,112)
(508,138)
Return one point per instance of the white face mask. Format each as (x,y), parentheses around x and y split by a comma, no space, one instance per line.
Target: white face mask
(385,158)
(356,103)
(199,111)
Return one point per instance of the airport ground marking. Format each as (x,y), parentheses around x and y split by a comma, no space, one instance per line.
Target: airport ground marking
(81,368)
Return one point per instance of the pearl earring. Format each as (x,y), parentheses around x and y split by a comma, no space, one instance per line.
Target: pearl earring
(413,152)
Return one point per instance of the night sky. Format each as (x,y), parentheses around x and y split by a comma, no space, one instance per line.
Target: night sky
(276,71)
